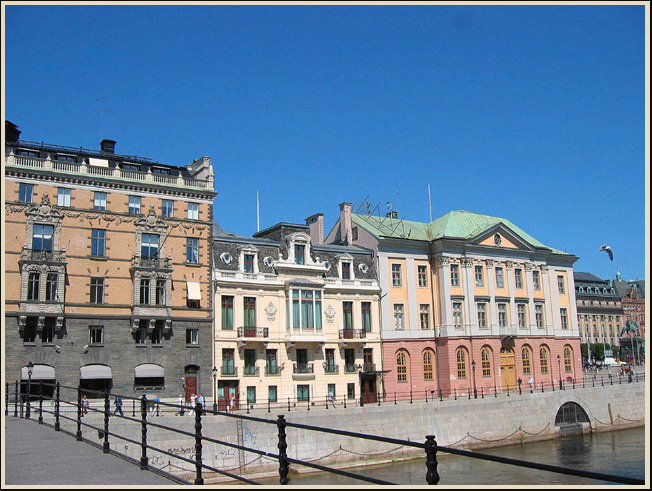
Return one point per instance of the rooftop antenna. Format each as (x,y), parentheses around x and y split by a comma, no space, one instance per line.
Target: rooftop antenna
(397,195)
(429,203)
(101,110)
(257,211)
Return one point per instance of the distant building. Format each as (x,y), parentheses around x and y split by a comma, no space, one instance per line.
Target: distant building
(632,294)
(296,319)
(470,302)
(107,268)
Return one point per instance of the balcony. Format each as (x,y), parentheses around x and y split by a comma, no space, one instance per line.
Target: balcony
(275,370)
(253,332)
(229,372)
(152,262)
(37,255)
(350,368)
(368,367)
(353,334)
(331,369)
(507,331)
(303,368)
(251,371)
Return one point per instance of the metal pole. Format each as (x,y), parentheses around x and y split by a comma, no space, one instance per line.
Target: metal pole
(16,401)
(40,402)
(107,415)
(198,445)
(29,393)
(79,414)
(6,398)
(432,477)
(143,432)
(283,464)
(57,424)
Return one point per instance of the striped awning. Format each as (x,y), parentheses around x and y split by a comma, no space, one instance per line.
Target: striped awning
(40,372)
(95,372)
(149,370)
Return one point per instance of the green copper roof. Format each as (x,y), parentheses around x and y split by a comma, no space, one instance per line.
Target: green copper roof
(455,224)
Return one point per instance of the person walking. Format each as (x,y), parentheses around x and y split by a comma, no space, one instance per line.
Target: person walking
(155,405)
(531,382)
(85,404)
(201,401)
(118,404)
(331,399)
(193,402)
(232,403)
(180,402)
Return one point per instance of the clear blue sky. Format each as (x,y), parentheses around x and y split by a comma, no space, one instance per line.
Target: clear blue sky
(531,113)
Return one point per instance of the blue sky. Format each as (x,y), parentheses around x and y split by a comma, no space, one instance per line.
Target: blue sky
(531,113)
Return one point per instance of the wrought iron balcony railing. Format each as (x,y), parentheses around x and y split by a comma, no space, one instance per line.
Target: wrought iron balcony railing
(331,369)
(152,262)
(276,370)
(251,371)
(368,367)
(229,371)
(353,334)
(303,368)
(253,332)
(41,255)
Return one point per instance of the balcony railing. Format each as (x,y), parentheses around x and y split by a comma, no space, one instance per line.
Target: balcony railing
(303,368)
(368,367)
(331,369)
(152,262)
(253,332)
(273,370)
(39,255)
(353,334)
(507,331)
(229,371)
(350,368)
(251,371)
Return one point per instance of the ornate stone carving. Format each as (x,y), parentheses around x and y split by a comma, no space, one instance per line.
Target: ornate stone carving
(330,314)
(466,262)
(490,263)
(529,266)
(44,211)
(151,222)
(445,260)
(270,310)
(509,264)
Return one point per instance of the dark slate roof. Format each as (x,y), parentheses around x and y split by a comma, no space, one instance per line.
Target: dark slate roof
(587,277)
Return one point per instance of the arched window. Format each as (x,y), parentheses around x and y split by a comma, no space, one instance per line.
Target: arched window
(568,360)
(427,364)
(526,357)
(486,362)
(461,363)
(543,356)
(401,366)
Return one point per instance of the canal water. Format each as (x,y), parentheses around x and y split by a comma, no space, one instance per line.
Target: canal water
(619,453)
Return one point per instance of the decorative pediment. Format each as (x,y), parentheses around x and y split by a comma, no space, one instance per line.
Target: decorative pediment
(151,222)
(500,236)
(248,248)
(44,211)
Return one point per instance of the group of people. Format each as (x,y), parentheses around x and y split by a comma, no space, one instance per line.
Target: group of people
(155,406)
(194,401)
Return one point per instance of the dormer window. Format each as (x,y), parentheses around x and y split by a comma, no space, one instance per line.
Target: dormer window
(130,167)
(158,170)
(249,259)
(299,254)
(346,271)
(345,267)
(249,263)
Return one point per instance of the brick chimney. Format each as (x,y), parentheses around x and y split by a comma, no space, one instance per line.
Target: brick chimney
(12,133)
(107,146)
(316,225)
(345,223)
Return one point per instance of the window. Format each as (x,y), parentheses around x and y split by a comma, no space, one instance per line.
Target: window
(560,285)
(457,314)
(227,313)
(303,393)
(144,291)
(424,315)
(482,314)
(160,291)
(401,366)
(485,355)
(536,279)
(64,158)
(347,310)
(299,254)
(192,336)
(396,275)
(99,200)
(134,205)
(149,246)
(526,356)
(349,360)
(167,208)
(502,315)
(97,290)
(193,211)
(248,263)
(251,394)
(461,363)
(568,360)
(271,393)
(455,275)
(192,250)
(427,365)
(398,317)
(135,167)
(302,360)
(51,287)
(42,237)
(543,358)
(366,316)
(350,391)
(98,242)
(271,365)
(158,170)
(228,362)
(329,363)
(95,334)
(518,277)
(30,330)
(249,312)
(346,270)
(564,318)
(63,196)
(331,390)
(500,277)
(422,276)
(538,315)
(479,276)
(157,332)
(47,335)
(250,362)
(306,309)
(33,286)
(25,192)
(520,315)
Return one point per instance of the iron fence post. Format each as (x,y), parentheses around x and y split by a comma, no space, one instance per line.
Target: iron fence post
(40,402)
(308,400)
(440,396)
(16,401)
(394,397)
(507,390)
(468,392)
(289,404)
(268,406)
(283,465)
(482,392)
(410,396)
(602,378)
(593,381)
(107,415)
(143,432)
(326,397)
(542,387)
(133,408)
(198,445)
(432,477)
(79,414)
(495,391)
(57,424)
(455,391)
(7,399)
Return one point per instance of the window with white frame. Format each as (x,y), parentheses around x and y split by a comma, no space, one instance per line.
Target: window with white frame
(424,315)
(500,277)
(502,315)
(99,200)
(536,279)
(25,192)
(134,205)
(518,277)
(455,275)
(193,211)
(192,336)
(167,208)
(42,237)
(479,276)
(397,279)
(63,196)
(192,250)
(482,314)
(95,334)
(538,315)
(561,287)
(521,315)
(306,310)
(422,275)
(399,324)
(149,245)
(564,317)
(457,314)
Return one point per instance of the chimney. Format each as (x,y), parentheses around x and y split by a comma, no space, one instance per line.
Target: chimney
(107,146)
(316,225)
(345,223)
(12,133)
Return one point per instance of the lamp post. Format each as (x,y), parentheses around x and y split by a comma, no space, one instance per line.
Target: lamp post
(30,370)
(559,370)
(359,367)
(214,388)
(475,390)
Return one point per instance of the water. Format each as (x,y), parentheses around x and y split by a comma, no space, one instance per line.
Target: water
(619,453)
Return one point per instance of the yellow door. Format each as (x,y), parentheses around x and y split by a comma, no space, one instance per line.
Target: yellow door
(508,368)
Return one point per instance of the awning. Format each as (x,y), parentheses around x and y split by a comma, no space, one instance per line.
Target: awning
(194,293)
(40,372)
(149,370)
(95,371)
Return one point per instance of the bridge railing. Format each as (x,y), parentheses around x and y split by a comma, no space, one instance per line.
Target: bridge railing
(76,401)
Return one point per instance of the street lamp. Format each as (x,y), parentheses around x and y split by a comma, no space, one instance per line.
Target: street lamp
(214,388)
(475,390)
(30,370)
(559,369)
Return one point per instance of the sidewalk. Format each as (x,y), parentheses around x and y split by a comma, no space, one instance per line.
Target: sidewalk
(35,454)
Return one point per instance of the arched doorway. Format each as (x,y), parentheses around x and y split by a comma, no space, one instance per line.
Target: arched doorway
(508,367)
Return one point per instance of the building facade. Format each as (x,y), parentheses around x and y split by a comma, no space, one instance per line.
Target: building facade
(296,319)
(632,339)
(107,268)
(470,303)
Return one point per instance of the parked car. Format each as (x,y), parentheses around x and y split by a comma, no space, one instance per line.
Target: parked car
(613,362)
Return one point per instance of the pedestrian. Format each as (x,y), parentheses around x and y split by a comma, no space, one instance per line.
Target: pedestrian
(193,402)
(85,404)
(232,403)
(180,402)
(118,404)
(201,401)
(331,400)
(156,405)
(531,382)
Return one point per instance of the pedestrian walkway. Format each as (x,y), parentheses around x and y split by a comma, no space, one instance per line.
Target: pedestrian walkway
(35,454)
